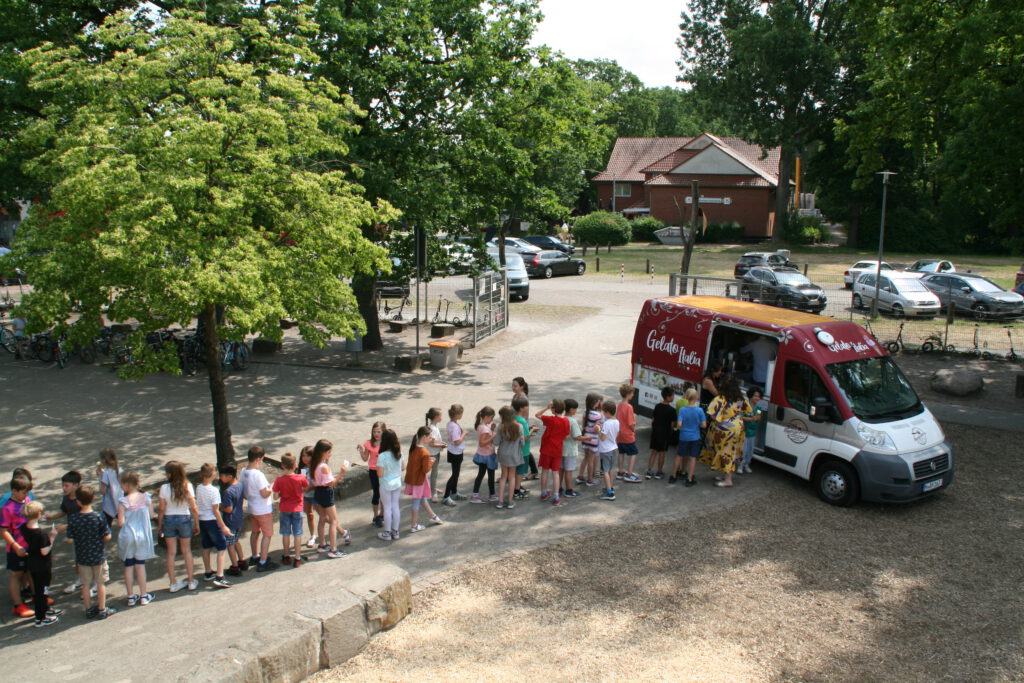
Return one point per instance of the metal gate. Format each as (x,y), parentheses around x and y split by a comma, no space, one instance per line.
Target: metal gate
(490,304)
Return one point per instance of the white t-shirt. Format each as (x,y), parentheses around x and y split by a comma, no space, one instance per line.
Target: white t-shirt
(176,507)
(254,481)
(207,495)
(610,432)
(435,434)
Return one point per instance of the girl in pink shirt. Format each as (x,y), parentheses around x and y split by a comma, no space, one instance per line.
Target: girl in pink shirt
(485,459)
(368,452)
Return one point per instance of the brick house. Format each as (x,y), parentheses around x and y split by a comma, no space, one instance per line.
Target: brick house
(652,176)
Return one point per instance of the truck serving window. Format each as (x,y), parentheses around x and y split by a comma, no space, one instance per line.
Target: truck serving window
(876,389)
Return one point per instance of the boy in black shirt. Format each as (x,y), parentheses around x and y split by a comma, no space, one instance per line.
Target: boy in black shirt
(39,543)
(89,532)
(661,434)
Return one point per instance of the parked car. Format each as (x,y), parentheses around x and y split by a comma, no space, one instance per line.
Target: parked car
(547,242)
(899,295)
(548,263)
(752,259)
(931,265)
(976,295)
(1019,278)
(853,272)
(784,288)
(514,244)
(518,278)
(393,288)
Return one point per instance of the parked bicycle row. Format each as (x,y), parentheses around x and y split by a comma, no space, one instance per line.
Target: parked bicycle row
(111,343)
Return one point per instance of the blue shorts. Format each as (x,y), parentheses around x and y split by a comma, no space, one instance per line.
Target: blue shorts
(211,535)
(291,523)
(628,448)
(177,526)
(689,449)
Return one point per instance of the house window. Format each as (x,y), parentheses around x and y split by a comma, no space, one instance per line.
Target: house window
(623,190)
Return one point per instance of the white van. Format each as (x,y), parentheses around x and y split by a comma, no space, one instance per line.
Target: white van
(840,413)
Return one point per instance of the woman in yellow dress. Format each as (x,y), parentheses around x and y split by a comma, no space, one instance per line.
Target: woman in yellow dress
(723,446)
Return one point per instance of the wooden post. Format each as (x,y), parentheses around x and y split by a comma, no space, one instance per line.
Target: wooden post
(688,251)
(598,266)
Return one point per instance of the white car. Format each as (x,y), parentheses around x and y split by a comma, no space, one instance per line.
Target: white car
(853,272)
(901,294)
(931,265)
(516,245)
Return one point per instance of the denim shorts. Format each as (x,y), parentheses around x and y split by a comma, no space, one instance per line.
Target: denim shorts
(177,526)
(628,448)
(211,535)
(689,449)
(324,496)
(291,523)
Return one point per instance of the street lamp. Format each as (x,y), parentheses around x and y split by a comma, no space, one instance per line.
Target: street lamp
(881,240)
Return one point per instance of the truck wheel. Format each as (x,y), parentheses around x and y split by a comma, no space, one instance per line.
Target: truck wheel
(836,483)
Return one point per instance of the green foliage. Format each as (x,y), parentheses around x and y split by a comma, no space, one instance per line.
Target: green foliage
(803,230)
(601,228)
(728,232)
(643,228)
(194,166)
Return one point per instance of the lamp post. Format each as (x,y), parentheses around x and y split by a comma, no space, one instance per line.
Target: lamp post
(881,240)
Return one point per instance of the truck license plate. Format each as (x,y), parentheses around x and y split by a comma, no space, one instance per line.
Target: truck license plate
(931,486)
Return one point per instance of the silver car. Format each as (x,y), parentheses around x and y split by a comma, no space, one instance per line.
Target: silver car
(899,295)
(976,295)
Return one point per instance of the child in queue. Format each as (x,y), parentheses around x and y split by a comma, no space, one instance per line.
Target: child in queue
(12,519)
(89,532)
(327,515)
(389,471)
(556,430)
(570,448)
(261,510)
(305,460)
(178,521)
(135,517)
(288,489)
(690,421)
(368,451)
(213,532)
(591,418)
(521,407)
(607,451)
(456,448)
(231,510)
(662,423)
(109,473)
(485,459)
(509,442)
(417,478)
(38,544)
(434,447)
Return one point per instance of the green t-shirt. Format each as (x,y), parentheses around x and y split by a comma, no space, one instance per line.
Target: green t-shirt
(751,427)
(526,436)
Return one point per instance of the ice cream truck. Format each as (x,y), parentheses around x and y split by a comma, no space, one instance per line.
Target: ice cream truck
(839,412)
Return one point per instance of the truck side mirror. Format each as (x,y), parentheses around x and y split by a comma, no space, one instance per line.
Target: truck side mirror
(821,409)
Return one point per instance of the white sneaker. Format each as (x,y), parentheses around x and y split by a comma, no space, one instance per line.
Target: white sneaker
(76,586)
(311,543)
(177,586)
(193,584)
(748,470)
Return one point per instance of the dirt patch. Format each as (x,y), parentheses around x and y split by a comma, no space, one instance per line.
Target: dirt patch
(1000,379)
(779,588)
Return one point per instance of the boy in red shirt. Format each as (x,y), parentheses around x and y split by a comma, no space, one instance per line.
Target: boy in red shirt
(626,440)
(556,428)
(11,521)
(288,488)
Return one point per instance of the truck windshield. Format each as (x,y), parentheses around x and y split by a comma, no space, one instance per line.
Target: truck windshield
(875,389)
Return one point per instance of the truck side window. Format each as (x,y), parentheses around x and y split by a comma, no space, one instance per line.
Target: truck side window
(802,386)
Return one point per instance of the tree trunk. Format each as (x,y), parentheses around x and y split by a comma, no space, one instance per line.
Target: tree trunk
(364,286)
(782,193)
(853,229)
(218,395)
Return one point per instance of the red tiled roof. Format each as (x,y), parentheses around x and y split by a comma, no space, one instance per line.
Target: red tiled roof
(630,155)
(684,179)
(667,163)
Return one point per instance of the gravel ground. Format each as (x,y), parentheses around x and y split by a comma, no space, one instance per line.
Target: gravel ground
(782,587)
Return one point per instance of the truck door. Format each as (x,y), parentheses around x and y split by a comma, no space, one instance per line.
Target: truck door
(792,439)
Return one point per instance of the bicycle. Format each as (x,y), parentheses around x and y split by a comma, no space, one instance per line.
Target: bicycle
(234,354)
(8,339)
(46,348)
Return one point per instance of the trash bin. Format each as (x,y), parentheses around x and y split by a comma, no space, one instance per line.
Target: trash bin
(443,352)
(354,345)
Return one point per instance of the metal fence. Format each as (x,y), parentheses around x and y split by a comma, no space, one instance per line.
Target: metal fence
(477,307)
(951,331)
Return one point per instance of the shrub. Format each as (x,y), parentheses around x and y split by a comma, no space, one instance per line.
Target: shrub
(643,228)
(601,228)
(802,229)
(722,232)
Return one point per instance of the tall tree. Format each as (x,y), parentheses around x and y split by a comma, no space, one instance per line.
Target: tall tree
(194,169)
(767,68)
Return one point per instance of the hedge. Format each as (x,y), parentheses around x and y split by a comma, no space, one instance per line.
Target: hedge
(601,228)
